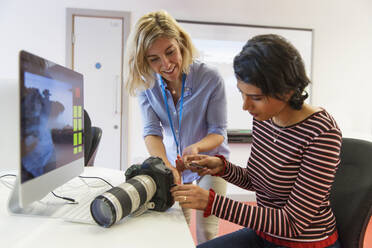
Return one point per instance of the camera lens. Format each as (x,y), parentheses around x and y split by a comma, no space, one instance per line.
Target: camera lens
(105,214)
(120,201)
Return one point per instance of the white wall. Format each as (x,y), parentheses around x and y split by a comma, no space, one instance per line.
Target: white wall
(341,57)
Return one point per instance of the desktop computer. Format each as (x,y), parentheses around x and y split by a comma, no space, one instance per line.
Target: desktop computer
(51,141)
(51,105)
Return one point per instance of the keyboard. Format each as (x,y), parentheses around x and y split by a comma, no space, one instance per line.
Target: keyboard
(80,212)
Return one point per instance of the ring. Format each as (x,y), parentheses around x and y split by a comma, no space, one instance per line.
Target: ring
(184,198)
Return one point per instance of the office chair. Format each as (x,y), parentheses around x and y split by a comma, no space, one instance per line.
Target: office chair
(351,194)
(92,138)
(87,137)
(96,138)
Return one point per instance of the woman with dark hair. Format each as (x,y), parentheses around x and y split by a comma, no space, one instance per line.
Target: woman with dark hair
(294,157)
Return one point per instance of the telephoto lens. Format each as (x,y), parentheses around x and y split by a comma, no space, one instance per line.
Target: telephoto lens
(120,201)
(147,186)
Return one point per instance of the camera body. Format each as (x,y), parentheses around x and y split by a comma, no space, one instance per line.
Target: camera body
(163,177)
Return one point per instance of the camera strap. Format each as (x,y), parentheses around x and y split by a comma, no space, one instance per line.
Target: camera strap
(168,111)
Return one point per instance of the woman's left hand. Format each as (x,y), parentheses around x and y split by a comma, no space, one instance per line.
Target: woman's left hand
(190,196)
(191,150)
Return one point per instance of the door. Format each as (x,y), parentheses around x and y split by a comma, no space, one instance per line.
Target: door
(97,53)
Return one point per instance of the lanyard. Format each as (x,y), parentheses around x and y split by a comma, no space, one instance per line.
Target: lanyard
(168,112)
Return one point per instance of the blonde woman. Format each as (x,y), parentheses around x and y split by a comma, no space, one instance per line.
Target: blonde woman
(183,103)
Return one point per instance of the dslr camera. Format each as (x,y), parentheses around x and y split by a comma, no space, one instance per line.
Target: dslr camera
(146,186)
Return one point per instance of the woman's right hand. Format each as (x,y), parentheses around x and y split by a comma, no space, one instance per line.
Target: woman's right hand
(204,164)
(176,175)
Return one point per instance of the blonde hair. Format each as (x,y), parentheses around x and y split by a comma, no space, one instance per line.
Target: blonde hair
(154,25)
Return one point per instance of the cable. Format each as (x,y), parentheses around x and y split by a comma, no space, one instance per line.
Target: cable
(8,175)
(62,197)
(65,198)
(98,178)
(5,182)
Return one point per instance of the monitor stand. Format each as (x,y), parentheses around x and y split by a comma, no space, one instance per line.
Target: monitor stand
(43,208)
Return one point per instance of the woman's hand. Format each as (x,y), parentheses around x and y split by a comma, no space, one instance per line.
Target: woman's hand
(191,150)
(204,164)
(190,196)
(176,174)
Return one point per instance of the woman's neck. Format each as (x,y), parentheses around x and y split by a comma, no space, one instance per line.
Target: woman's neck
(174,85)
(289,116)
(175,88)
(285,117)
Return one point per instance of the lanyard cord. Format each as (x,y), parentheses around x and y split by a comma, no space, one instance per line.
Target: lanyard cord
(168,111)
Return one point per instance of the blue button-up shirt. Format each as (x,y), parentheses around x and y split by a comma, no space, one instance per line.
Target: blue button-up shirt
(204,112)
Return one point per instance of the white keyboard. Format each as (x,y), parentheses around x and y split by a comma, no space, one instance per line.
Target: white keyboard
(81,212)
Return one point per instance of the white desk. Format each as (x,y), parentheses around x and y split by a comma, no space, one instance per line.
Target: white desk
(152,229)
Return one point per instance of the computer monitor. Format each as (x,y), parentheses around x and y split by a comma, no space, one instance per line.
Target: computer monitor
(51,129)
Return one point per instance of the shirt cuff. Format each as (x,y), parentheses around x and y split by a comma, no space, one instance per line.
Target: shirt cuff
(208,209)
(156,131)
(224,165)
(217,130)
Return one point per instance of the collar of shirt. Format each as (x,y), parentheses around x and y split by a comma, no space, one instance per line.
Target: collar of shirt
(188,85)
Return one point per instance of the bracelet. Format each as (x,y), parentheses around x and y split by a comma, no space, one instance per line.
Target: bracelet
(208,209)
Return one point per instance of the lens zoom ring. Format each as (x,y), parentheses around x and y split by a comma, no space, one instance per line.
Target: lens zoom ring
(140,188)
(124,199)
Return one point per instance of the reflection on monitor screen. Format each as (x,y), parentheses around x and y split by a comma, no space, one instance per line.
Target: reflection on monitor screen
(47,132)
(51,129)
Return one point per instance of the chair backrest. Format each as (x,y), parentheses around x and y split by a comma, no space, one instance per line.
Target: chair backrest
(96,138)
(351,194)
(87,137)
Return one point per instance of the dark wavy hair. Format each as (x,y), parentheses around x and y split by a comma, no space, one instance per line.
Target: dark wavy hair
(274,65)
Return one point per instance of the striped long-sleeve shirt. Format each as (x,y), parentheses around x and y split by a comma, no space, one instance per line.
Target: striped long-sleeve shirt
(291,170)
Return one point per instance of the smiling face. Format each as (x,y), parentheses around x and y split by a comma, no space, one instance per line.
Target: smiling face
(258,105)
(164,57)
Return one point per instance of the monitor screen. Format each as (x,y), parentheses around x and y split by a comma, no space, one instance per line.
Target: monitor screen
(51,126)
